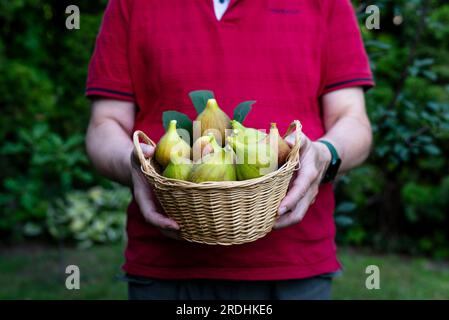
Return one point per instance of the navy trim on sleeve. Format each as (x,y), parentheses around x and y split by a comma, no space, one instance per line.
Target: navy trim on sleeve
(346,82)
(126,94)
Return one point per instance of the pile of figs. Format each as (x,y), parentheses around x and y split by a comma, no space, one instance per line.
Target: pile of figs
(225,151)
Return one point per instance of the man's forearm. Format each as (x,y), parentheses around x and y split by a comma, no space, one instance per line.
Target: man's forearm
(352,138)
(109,149)
(347,126)
(108,139)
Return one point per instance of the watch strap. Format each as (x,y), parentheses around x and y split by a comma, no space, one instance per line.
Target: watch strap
(334,164)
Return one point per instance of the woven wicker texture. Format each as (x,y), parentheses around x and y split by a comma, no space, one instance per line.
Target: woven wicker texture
(222,213)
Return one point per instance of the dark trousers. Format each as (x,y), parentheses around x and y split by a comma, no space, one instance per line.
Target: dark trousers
(316,288)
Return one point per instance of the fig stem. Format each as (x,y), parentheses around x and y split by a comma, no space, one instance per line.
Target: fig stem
(212,104)
(172,125)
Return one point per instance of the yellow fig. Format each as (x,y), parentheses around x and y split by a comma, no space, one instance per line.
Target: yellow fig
(215,120)
(178,168)
(247,135)
(278,144)
(170,144)
(216,166)
(253,160)
(202,147)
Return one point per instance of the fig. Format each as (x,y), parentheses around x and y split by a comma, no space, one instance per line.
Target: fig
(246,135)
(216,166)
(253,160)
(170,144)
(178,168)
(202,147)
(278,144)
(214,120)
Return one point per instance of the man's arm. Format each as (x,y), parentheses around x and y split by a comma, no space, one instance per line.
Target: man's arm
(349,130)
(347,126)
(111,150)
(108,140)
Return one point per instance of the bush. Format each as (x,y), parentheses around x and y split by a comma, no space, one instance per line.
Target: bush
(44,112)
(398,198)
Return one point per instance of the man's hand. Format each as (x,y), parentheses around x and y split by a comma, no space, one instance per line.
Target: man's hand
(146,200)
(314,160)
(343,112)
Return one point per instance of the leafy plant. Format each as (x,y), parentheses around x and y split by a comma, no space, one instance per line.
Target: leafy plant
(400,194)
(88,217)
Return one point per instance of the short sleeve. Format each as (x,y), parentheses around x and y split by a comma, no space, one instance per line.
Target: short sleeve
(109,74)
(346,63)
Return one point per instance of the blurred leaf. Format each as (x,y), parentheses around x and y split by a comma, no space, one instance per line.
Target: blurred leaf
(344,221)
(346,207)
(31,229)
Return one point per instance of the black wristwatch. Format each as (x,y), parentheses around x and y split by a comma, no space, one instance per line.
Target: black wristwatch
(334,165)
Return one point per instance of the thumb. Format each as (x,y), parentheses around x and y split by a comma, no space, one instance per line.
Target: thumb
(147,150)
(290,139)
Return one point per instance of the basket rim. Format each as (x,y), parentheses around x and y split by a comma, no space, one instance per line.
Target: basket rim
(292,163)
(220,184)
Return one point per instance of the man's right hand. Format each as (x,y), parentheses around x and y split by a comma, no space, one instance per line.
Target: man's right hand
(146,199)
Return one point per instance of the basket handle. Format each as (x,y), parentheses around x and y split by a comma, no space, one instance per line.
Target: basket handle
(295,125)
(137,147)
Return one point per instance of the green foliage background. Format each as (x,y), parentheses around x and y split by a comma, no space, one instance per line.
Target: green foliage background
(398,200)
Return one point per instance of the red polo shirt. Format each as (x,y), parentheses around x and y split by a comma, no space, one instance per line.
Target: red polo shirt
(283,53)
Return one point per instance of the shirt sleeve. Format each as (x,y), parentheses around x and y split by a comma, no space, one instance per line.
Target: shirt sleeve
(347,64)
(108,74)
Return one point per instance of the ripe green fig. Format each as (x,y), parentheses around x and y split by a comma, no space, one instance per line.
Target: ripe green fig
(169,145)
(253,160)
(216,166)
(247,135)
(178,168)
(215,120)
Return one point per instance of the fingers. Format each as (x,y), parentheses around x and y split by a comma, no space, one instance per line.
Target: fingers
(145,197)
(149,210)
(300,187)
(147,151)
(290,139)
(297,214)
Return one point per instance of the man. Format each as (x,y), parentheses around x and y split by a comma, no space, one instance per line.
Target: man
(300,60)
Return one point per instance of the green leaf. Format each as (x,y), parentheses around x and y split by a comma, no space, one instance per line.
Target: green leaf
(346,207)
(344,221)
(432,150)
(183,122)
(31,229)
(430,75)
(242,110)
(199,99)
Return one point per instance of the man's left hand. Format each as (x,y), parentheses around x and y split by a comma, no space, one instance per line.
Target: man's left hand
(314,160)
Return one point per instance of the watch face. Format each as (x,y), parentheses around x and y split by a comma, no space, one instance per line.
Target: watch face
(333,169)
(338,163)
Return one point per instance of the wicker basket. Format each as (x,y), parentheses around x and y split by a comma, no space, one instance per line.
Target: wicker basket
(222,213)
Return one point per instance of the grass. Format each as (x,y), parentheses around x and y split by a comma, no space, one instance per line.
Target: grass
(37,272)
